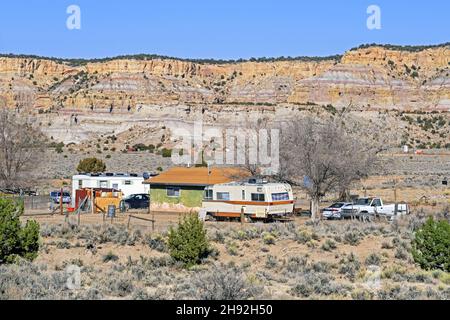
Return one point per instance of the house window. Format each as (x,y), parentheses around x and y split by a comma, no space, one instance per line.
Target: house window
(128,182)
(173,192)
(223,196)
(258,197)
(280,196)
(208,194)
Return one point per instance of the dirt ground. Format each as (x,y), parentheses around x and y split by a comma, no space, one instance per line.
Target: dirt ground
(163,220)
(292,260)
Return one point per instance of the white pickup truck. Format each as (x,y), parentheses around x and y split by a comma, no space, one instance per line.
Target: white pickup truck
(374,206)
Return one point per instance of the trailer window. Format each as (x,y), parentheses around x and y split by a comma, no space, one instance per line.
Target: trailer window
(173,192)
(280,196)
(208,194)
(128,182)
(258,197)
(223,195)
(80,184)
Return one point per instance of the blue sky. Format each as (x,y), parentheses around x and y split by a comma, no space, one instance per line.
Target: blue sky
(216,28)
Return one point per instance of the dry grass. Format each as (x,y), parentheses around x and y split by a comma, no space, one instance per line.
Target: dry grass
(267,261)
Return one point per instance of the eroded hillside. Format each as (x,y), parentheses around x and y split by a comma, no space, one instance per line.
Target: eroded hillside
(367,78)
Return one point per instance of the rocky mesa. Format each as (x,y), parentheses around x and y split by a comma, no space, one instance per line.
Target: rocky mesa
(368,78)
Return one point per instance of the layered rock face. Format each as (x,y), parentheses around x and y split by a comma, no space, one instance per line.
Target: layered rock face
(383,79)
(369,79)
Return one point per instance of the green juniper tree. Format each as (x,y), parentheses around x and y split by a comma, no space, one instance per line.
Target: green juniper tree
(16,240)
(188,243)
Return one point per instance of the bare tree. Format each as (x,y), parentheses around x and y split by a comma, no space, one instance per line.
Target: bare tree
(253,147)
(321,156)
(21,146)
(252,130)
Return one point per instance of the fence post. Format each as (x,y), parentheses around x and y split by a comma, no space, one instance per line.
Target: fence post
(93,203)
(61,210)
(153,221)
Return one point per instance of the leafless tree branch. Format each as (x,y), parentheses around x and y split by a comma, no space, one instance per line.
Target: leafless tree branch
(21,146)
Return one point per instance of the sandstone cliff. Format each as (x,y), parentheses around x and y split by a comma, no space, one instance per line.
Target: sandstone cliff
(369,78)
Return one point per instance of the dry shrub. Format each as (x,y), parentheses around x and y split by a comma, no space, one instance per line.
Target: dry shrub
(224,283)
(316,283)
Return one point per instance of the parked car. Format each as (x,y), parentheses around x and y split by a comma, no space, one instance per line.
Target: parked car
(372,206)
(55,197)
(135,201)
(334,211)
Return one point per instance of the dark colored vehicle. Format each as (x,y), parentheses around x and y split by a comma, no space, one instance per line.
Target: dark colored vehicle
(135,201)
(56,195)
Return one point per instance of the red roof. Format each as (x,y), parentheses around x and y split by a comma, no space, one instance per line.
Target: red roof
(197,176)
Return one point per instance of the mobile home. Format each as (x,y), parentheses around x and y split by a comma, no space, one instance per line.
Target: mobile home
(127,183)
(257,199)
(181,188)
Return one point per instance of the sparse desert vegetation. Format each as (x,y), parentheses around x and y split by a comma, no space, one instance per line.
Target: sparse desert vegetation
(296,260)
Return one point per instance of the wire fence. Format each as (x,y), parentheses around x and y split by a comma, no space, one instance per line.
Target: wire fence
(32,204)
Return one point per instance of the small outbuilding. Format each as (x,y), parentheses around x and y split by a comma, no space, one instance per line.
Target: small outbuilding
(182,188)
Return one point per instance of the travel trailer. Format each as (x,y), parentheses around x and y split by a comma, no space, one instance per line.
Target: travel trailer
(127,183)
(256,199)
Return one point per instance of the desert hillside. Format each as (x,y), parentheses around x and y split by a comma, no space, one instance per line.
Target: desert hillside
(371,77)
(105,107)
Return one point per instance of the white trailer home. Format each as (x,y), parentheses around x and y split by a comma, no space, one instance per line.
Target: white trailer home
(257,199)
(127,183)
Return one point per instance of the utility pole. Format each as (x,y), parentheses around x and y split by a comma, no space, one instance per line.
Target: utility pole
(395,190)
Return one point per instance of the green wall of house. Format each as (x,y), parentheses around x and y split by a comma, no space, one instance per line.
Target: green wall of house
(189,196)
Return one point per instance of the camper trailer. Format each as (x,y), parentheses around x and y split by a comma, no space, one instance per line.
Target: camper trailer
(256,199)
(126,183)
